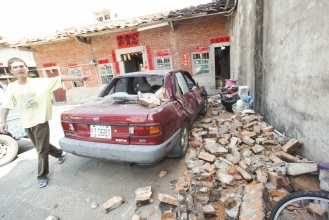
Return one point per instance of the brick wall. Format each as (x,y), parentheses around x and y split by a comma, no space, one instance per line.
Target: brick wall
(188,34)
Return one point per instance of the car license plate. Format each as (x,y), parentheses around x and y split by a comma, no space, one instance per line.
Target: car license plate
(99,131)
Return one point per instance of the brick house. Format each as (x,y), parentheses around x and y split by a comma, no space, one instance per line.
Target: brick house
(194,38)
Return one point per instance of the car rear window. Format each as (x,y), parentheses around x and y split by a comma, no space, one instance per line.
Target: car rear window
(130,84)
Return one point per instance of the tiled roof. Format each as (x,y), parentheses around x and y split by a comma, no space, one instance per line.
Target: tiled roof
(220,6)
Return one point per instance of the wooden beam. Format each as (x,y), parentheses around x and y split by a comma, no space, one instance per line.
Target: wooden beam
(29,49)
(172,25)
(84,40)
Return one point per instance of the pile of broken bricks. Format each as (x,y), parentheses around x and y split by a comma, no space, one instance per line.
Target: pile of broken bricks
(237,167)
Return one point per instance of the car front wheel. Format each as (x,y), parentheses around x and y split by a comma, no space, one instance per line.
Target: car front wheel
(184,139)
(8,149)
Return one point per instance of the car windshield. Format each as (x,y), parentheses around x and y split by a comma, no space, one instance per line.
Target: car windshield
(132,85)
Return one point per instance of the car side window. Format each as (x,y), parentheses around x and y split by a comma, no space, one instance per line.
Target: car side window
(178,92)
(135,82)
(190,83)
(182,83)
(120,86)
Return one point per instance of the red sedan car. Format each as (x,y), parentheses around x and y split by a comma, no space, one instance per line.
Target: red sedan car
(139,117)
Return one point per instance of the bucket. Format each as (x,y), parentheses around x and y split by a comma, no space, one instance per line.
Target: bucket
(230,82)
(243,91)
(219,83)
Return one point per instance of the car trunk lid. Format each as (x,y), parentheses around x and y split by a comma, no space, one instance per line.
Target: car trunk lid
(106,122)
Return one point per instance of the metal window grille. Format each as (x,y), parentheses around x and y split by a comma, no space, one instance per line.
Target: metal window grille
(106,72)
(201,63)
(76,72)
(163,63)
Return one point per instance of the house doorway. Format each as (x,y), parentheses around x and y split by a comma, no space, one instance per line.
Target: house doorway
(132,61)
(222,65)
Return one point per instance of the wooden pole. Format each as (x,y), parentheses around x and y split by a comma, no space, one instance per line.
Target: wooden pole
(7,76)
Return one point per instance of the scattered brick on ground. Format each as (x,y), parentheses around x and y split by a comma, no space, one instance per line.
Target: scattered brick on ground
(236,167)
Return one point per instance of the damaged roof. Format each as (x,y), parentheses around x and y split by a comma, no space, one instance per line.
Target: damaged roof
(224,7)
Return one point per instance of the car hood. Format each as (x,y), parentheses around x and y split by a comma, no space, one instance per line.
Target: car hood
(107,111)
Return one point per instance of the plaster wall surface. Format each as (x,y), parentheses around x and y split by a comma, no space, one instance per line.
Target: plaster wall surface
(291,70)
(296,71)
(242,31)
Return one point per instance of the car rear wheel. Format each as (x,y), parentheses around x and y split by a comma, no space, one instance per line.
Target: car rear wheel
(182,144)
(8,149)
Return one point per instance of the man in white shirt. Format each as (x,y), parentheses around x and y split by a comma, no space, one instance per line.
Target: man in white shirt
(33,96)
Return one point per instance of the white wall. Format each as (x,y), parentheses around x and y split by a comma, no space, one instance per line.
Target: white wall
(242,32)
(282,55)
(6,53)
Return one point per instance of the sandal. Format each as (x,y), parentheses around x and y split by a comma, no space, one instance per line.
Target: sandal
(61,159)
(43,183)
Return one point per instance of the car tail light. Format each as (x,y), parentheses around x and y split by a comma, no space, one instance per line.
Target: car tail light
(145,130)
(67,126)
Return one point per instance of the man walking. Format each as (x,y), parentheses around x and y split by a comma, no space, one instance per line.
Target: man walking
(33,96)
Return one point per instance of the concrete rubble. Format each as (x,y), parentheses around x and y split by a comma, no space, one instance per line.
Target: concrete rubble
(137,217)
(151,100)
(148,100)
(324,180)
(143,196)
(51,217)
(238,167)
(112,203)
(163,173)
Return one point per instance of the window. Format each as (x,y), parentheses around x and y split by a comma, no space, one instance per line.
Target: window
(189,81)
(106,72)
(201,63)
(182,83)
(103,18)
(130,84)
(163,63)
(120,86)
(155,82)
(107,17)
(76,72)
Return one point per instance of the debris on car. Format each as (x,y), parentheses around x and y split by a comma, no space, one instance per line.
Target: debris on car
(148,100)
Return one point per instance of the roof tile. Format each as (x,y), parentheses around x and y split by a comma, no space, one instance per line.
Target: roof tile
(220,6)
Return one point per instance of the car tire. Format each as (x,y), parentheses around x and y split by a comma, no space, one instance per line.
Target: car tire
(184,139)
(8,149)
(204,107)
(182,145)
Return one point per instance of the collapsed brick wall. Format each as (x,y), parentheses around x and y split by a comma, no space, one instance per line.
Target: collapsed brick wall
(237,168)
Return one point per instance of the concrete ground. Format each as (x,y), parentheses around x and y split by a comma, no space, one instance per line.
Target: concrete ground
(78,184)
